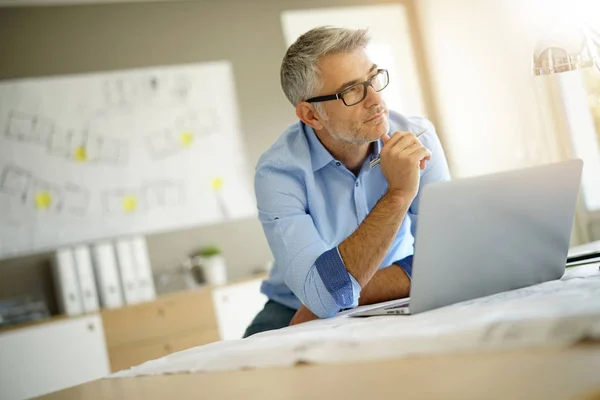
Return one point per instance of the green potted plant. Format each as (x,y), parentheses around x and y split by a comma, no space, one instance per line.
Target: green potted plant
(210,259)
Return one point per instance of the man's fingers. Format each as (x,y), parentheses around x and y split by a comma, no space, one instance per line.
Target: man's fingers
(395,138)
(385,138)
(406,141)
(421,154)
(410,149)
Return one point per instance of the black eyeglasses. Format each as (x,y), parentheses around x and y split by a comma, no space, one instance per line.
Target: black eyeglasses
(356,93)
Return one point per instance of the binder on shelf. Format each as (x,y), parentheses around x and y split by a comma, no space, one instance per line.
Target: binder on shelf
(87,281)
(65,282)
(107,275)
(127,270)
(143,269)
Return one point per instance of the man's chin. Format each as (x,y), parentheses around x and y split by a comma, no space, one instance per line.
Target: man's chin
(381,129)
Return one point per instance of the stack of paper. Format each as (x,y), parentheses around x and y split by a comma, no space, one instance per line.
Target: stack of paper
(558,312)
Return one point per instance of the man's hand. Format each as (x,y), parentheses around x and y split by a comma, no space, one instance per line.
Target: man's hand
(302,315)
(402,156)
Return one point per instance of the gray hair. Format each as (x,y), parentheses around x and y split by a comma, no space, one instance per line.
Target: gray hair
(300,74)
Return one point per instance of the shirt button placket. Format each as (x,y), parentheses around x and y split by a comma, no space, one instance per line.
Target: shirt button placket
(358,201)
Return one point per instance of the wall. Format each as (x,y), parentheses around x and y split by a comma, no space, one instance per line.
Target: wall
(495,114)
(41,41)
(479,56)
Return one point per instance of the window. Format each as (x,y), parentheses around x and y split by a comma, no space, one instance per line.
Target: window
(576,94)
(591,79)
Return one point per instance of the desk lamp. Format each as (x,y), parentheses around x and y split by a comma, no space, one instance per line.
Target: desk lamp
(581,51)
(578,52)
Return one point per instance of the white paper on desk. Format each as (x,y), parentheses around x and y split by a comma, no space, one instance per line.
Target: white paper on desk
(555,313)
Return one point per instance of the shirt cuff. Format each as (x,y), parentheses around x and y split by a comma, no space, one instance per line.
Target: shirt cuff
(336,278)
(406,265)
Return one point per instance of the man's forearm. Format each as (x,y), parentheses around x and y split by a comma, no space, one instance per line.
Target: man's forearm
(389,283)
(364,250)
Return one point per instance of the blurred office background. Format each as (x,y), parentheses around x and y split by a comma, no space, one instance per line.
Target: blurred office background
(464,64)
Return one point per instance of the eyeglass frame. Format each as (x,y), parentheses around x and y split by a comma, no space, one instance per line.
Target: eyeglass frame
(339,95)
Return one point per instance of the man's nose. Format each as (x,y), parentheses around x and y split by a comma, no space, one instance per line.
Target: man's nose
(372,98)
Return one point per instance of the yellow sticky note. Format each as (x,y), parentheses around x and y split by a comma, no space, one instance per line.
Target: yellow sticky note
(43,200)
(80,154)
(186,138)
(217,184)
(129,203)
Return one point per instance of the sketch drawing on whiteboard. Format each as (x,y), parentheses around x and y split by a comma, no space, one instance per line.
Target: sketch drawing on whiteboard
(28,127)
(15,181)
(163,194)
(45,196)
(84,147)
(149,90)
(76,199)
(105,149)
(120,92)
(200,122)
(122,201)
(111,153)
(61,141)
(150,196)
(41,195)
(165,90)
(73,144)
(187,129)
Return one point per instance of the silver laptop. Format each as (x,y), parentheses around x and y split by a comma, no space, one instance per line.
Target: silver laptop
(489,234)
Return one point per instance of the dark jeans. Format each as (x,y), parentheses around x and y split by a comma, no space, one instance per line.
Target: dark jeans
(272,316)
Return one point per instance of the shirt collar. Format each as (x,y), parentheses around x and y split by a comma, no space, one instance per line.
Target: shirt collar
(320,156)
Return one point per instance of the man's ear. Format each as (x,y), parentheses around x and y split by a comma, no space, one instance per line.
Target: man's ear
(307,114)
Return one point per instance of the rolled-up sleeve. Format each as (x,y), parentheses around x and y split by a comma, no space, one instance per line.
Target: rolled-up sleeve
(406,265)
(315,273)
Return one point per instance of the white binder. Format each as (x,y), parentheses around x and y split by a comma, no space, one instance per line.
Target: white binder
(107,275)
(65,282)
(127,271)
(143,269)
(87,281)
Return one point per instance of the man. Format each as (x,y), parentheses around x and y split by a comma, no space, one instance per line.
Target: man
(341,232)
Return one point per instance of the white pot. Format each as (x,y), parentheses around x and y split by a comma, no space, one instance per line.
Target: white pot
(214,268)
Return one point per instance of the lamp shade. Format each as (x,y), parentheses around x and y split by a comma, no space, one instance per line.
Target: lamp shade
(573,52)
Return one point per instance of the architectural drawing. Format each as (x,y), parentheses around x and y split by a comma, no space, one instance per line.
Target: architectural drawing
(185,131)
(44,196)
(164,143)
(122,201)
(163,194)
(15,181)
(28,127)
(61,141)
(151,196)
(109,154)
(104,149)
(72,144)
(41,195)
(201,122)
(150,89)
(76,199)
(120,92)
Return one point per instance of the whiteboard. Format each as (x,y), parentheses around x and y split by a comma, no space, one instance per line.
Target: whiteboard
(95,156)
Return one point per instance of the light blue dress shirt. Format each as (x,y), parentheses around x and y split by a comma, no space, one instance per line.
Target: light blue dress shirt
(309,202)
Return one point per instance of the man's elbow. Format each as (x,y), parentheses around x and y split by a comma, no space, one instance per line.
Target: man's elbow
(319,299)
(322,312)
